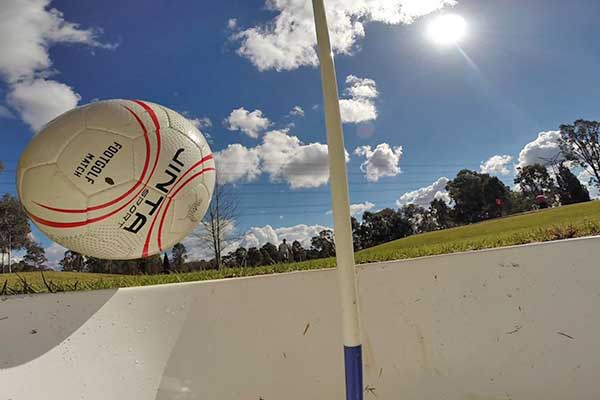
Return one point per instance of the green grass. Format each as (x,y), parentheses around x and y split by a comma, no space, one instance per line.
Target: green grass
(553,224)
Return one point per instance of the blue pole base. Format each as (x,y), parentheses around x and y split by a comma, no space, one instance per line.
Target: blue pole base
(354,372)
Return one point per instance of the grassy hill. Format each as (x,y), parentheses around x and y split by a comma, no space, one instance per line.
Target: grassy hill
(544,225)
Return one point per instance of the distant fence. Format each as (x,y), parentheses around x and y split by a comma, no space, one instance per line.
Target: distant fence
(514,323)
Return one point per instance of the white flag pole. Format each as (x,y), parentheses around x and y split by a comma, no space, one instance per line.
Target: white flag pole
(341,211)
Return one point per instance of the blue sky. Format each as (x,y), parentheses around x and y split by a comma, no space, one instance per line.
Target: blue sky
(524,67)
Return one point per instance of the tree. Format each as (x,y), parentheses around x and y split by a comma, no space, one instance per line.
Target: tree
(441,214)
(383,226)
(228,260)
(219,222)
(166,265)
(269,253)
(356,234)
(519,203)
(580,142)
(477,197)
(324,244)
(534,180)
(35,258)
(92,264)
(419,219)
(72,261)
(570,190)
(199,265)
(254,257)
(298,252)
(240,256)
(148,265)
(178,255)
(14,227)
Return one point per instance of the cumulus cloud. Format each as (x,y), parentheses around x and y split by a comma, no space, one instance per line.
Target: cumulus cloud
(15,257)
(288,40)
(237,163)
(584,177)
(254,237)
(232,23)
(286,159)
(357,210)
(297,111)
(201,123)
(361,87)
(283,157)
(379,162)
(40,101)
(425,195)
(360,105)
(496,165)
(5,112)
(199,249)
(27,30)
(543,150)
(55,253)
(251,123)
(258,236)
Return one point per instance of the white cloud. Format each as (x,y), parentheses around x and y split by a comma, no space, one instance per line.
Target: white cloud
(17,257)
(198,247)
(283,157)
(496,165)
(425,195)
(361,87)
(382,161)
(288,41)
(237,163)
(27,30)
(584,178)
(251,123)
(358,209)
(297,111)
(360,106)
(39,101)
(286,159)
(258,236)
(543,150)
(254,237)
(55,253)
(5,112)
(355,111)
(232,23)
(201,123)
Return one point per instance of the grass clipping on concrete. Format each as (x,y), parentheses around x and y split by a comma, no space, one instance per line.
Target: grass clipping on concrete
(545,225)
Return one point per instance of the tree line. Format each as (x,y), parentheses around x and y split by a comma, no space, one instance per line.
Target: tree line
(473,196)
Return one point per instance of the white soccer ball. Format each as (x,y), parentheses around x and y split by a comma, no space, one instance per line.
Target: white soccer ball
(117,179)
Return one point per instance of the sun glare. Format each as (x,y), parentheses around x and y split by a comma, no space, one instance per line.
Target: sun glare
(447,29)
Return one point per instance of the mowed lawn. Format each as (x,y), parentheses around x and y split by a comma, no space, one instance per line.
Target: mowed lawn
(538,226)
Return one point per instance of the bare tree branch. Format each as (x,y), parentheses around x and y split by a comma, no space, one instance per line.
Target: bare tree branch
(218,226)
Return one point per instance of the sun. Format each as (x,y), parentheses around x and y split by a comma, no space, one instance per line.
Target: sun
(447,29)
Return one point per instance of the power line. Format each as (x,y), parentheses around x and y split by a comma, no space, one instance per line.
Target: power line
(311,164)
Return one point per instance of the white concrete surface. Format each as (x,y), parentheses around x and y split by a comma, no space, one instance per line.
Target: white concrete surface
(512,323)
